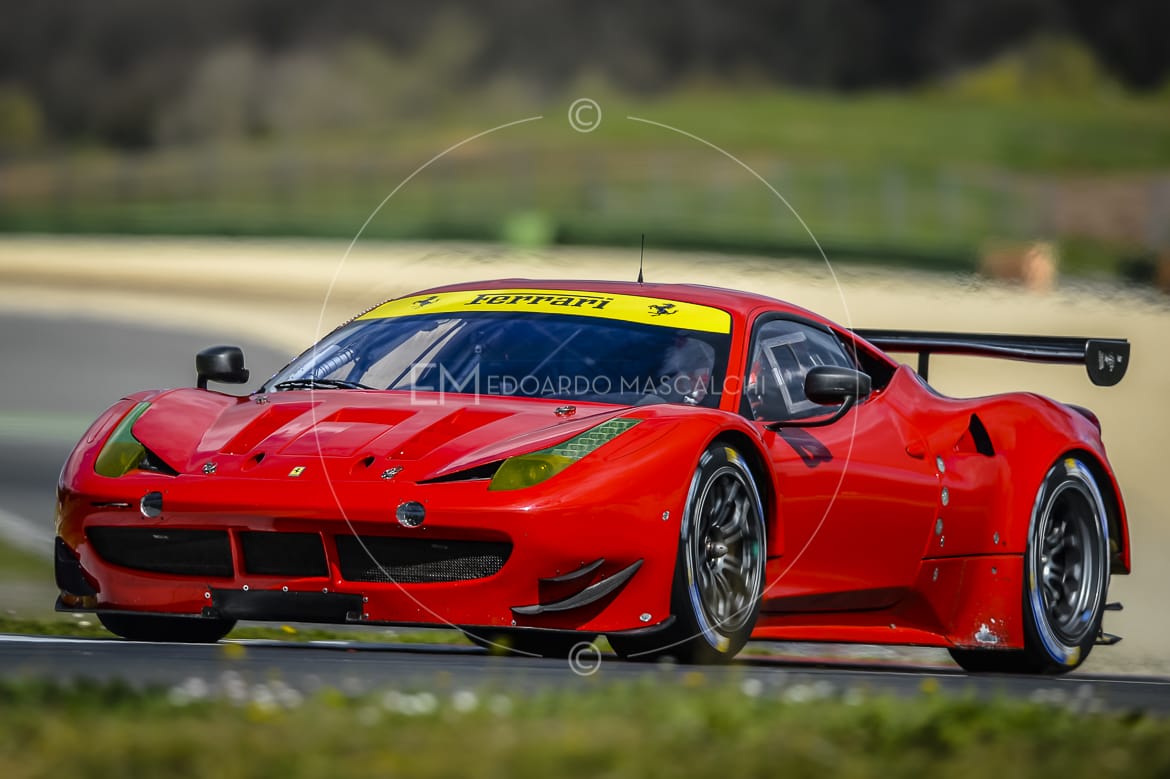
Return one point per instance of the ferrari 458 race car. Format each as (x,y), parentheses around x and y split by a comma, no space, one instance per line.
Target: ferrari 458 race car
(677,467)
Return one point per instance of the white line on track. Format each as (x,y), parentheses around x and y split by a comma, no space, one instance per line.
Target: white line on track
(12,638)
(43,426)
(18,638)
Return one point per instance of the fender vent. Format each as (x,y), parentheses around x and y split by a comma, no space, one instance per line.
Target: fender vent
(976,439)
(981,436)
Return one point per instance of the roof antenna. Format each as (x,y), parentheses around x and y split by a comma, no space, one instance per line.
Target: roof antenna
(640,257)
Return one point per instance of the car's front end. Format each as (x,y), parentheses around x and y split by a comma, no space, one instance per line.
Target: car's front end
(467,459)
(358,533)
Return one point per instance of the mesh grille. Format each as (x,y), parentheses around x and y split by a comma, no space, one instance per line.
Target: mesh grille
(158,550)
(283,554)
(582,444)
(416,561)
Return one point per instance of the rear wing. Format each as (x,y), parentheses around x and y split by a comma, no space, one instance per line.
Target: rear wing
(1105,359)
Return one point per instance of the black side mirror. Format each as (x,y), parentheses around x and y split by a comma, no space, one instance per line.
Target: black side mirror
(220,363)
(830,385)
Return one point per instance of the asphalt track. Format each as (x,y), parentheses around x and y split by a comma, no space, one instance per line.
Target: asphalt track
(60,373)
(358,668)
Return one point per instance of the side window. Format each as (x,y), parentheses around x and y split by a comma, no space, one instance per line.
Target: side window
(783,352)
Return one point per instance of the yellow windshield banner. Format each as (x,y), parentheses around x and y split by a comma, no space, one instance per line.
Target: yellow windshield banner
(603,305)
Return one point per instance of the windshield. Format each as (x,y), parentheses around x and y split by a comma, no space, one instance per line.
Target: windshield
(517,354)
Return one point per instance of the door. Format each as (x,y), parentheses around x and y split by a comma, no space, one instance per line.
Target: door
(858,497)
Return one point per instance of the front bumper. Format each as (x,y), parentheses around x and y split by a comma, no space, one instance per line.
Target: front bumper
(479,559)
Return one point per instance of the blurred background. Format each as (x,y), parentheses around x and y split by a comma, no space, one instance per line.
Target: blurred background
(943,134)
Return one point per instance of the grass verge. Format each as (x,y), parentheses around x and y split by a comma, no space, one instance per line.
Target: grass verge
(19,565)
(741,728)
(919,178)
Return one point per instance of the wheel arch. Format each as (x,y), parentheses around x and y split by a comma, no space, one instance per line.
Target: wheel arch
(1034,433)
(1119,548)
(765,482)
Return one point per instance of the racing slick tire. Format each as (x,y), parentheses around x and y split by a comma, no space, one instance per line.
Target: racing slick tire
(182,630)
(719,572)
(1066,578)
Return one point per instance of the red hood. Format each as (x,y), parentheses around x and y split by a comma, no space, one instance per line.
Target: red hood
(188,428)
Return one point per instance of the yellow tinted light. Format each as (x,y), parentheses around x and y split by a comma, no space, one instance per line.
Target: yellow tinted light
(528,469)
(122,451)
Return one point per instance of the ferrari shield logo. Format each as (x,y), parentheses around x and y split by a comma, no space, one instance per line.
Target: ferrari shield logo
(297,471)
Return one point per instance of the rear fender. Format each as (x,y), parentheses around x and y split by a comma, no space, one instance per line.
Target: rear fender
(1031,433)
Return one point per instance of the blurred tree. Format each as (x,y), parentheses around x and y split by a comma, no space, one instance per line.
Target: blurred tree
(20,120)
(1129,37)
(220,98)
(131,72)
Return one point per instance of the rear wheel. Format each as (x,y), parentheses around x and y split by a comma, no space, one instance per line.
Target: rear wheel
(719,574)
(183,630)
(1066,576)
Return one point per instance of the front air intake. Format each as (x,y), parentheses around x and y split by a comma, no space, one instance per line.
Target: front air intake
(418,561)
(157,550)
(283,554)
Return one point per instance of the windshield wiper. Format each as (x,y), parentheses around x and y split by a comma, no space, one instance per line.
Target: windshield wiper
(311,383)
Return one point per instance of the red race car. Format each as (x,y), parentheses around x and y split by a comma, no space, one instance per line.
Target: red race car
(679,468)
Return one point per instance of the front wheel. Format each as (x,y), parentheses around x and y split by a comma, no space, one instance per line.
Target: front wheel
(1066,576)
(150,627)
(719,573)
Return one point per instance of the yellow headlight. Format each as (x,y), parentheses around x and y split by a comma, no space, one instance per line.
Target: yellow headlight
(525,470)
(122,451)
(528,469)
